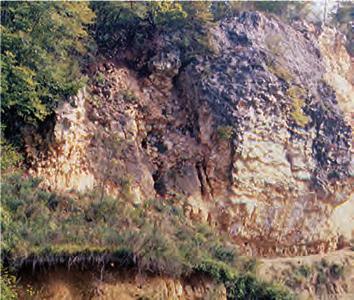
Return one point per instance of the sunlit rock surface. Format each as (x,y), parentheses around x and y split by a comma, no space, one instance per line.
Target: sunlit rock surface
(256,137)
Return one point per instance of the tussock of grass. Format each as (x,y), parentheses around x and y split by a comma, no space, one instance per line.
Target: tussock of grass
(296,94)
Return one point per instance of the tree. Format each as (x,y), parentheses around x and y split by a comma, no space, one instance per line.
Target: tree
(123,25)
(42,43)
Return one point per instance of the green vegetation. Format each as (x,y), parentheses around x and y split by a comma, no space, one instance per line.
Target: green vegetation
(156,237)
(305,270)
(128,24)
(45,46)
(296,94)
(7,285)
(225,132)
(129,96)
(99,79)
(37,69)
(280,71)
(287,10)
(298,276)
(9,157)
(327,272)
(248,287)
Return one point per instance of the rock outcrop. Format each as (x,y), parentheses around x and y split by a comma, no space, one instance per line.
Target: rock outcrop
(255,136)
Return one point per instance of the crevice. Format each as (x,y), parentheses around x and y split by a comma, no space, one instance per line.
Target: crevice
(198,167)
(210,187)
(159,183)
(233,148)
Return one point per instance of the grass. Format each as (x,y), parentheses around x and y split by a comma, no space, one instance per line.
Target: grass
(305,271)
(129,96)
(296,94)
(225,132)
(153,238)
(7,285)
(10,156)
(100,79)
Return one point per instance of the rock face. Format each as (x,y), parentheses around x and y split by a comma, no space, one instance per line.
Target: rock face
(252,136)
(66,163)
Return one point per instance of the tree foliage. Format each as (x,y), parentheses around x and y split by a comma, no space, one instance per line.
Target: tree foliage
(41,46)
(129,24)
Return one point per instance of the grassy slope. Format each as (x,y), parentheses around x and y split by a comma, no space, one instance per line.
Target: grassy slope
(42,227)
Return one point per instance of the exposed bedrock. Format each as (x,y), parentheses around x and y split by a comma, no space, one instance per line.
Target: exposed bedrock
(255,137)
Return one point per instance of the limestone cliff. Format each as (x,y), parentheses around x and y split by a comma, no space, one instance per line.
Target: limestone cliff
(256,136)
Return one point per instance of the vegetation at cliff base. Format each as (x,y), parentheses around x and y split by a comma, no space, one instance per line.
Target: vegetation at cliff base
(155,238)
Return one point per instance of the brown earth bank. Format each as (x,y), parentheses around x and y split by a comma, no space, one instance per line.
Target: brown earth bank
(61,283)
(329,276)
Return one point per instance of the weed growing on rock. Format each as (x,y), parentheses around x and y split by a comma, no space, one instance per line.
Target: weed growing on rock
(225,132)
(296,94)
(305,270)
(100,79)
(129,96)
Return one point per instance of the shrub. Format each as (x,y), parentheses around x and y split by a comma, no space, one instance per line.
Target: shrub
(129,96)
(250,265)
(248,287)
(100,79)
(217,270)
(156,253)
(225,132)
(10,157)
(305,270)
(224,253)
(103,210)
